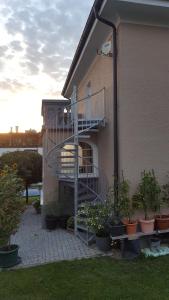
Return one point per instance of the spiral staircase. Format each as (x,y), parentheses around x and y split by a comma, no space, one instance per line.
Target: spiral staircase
(68,128)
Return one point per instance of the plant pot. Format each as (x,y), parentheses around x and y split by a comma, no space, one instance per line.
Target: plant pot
(117,230)
(103,243)
(162,222)
(131,228)
(147,226)
(9,257)
(63,221)
(51,222)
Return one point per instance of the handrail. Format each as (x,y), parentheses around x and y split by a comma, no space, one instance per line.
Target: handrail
(99,171)
(86,98)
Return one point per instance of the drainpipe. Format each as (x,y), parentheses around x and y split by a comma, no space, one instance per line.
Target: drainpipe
(115,109)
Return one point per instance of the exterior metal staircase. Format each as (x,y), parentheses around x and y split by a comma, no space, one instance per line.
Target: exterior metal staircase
(63,140)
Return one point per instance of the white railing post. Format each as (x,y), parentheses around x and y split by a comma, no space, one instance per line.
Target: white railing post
(76,144)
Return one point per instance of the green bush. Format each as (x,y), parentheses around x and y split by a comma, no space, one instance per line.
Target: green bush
(70,222)
(11,207)
(149,193)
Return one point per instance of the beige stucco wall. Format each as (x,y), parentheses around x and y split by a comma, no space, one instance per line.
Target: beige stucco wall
(100,75)
(143,97)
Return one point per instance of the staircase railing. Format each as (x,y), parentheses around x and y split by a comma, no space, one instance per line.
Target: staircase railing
(73,121)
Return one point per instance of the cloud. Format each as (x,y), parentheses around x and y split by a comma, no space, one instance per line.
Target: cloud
(50,31)
(16,45)
(3,50)
(38,41)
(13,85)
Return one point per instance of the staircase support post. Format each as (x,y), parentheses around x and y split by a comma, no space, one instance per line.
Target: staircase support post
(76,144)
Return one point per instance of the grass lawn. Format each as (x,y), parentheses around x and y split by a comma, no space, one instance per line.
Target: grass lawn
(100,278)
(31,199)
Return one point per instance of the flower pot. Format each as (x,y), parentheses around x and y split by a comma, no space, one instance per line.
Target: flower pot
(63,221)
(9,256)
(162,222)
(117,230)
(131,228)
(103,243)
(51,222)
(147,226)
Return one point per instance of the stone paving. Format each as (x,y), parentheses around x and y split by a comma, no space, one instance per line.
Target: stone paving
(39,246)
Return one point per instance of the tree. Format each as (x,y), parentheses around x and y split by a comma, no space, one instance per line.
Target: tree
(28,164)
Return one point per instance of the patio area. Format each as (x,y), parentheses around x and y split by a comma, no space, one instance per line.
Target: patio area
(38,246)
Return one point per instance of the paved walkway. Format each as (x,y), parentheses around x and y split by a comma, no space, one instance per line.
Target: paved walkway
(39,246)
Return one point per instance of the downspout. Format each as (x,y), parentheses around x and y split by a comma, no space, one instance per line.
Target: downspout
(115,108)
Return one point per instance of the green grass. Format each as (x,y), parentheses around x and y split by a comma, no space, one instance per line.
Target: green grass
(31,199)
(92,279)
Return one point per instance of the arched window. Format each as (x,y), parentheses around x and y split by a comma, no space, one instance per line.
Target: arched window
(85,158)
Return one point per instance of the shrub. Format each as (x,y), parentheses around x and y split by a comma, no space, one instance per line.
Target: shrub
(70,222)
(149,193)
(97,216)
(11,207)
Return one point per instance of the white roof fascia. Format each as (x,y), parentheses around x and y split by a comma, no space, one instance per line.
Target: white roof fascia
(162,3)
(87,42)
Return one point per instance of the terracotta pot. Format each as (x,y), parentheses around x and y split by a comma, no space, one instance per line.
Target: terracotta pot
(147,226)
(131,228)
(162,222)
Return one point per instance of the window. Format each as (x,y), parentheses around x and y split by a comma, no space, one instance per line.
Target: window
(85,158)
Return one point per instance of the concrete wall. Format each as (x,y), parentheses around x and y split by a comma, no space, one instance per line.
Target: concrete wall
(100,75)
(143,95)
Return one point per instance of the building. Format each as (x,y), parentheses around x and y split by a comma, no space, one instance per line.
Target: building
(117,118)
(28,139)
(20,141)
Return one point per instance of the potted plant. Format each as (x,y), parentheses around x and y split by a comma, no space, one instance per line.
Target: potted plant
(70,224)
(11,207)
(116,226)
(96,219)
(149,198)
(37,206)
(126,206)
(162,220)
(51,222)
(63,221)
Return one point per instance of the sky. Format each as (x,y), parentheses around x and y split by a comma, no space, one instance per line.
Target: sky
(37,44)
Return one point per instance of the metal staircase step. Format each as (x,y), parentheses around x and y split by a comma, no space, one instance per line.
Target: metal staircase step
(69,150)
(66,156)
(69,143)
(67,167)
(82,191)
(84,136)
(67,162)
(69,181)
(86,198)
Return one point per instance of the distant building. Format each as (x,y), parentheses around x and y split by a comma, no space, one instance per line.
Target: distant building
(28,139)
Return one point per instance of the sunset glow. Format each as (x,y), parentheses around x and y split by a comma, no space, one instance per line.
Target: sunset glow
(38,40)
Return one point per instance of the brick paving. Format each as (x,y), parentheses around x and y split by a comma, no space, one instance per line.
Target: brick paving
(39,246)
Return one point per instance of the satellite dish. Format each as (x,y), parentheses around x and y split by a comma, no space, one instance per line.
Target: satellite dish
(106,49)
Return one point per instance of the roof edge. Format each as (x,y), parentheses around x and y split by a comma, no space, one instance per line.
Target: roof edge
(90,21)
